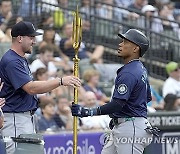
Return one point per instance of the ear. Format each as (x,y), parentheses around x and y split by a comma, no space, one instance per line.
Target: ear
(136,49)
(19,38)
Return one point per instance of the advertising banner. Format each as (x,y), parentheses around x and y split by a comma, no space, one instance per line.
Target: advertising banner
(88,143)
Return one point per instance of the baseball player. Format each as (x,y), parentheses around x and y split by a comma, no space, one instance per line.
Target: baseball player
(131,132)
(19,89)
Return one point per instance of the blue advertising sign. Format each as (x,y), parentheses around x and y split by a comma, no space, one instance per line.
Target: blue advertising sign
(88,143)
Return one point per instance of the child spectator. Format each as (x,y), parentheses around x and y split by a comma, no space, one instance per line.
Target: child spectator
(47,122)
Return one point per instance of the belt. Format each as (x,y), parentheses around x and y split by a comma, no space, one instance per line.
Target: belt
(31,112)
(118,121)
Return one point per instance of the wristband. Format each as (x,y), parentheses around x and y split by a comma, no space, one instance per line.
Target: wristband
(60,82)
(94,111)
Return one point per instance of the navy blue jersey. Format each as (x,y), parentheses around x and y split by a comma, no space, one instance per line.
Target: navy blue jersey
(15,73)
(131,86)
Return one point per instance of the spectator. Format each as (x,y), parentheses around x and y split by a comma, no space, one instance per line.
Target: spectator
(63,115)
(105,11)
(41,74)
(49,37)
(47,23)
(87,11)
(172,84)
(5,13)
(28,8)
(124,3)
(151,22)
(172,102)
(67,48)
(91,123)
(47,122)
(137,5)
(7,33)
(91,78)
(169,27)
(45,60)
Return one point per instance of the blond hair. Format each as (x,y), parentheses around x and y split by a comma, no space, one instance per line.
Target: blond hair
(88,74)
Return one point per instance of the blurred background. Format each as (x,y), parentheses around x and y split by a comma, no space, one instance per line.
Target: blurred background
(102,21)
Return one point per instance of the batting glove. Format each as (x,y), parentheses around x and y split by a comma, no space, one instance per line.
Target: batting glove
(79,111)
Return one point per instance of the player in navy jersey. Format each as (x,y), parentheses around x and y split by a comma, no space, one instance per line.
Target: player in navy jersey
(128,105)
(19,89)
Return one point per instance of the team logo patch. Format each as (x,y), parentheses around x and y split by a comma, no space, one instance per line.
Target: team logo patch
(122,89)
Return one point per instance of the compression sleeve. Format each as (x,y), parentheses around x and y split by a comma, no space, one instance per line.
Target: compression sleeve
(115,105)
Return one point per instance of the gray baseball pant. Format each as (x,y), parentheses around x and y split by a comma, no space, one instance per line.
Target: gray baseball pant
(16,124)
(128,137)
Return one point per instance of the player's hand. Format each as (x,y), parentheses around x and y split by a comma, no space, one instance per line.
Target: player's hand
(79,111)
(2,102)
(71,81)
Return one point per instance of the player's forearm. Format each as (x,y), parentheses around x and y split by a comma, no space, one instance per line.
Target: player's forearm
(38,87)
(114,106)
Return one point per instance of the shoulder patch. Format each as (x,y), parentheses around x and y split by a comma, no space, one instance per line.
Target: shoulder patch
(122,89)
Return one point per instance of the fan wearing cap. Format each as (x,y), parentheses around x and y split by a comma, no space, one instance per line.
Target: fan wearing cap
(149,21)
(172,83)
(19,89)
(128,105)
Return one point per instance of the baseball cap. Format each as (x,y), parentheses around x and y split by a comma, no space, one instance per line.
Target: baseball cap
(148,8)
(171,66)
(24,28)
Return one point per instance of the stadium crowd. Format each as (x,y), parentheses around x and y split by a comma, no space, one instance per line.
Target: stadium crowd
(53,54)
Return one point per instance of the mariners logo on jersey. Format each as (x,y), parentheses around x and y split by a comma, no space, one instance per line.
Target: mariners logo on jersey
(122,89)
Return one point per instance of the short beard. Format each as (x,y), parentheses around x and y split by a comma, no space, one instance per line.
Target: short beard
(28,51)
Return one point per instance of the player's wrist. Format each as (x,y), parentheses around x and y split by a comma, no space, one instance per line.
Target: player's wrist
(60,81)
(94,111)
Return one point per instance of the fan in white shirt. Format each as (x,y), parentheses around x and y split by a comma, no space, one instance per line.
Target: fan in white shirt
(45,60)
(96,122)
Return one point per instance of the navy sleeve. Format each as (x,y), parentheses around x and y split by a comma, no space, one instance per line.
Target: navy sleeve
(124,85)
(115,105)
(18,74)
